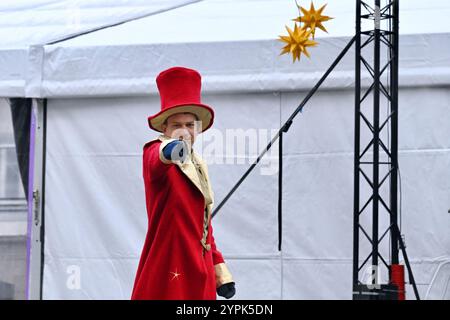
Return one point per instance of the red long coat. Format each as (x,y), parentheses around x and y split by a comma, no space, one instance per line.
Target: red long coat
(173,263)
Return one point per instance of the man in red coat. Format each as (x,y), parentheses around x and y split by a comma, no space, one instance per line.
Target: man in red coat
(180,259)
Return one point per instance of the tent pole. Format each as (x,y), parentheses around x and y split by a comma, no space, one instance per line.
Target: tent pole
(33,285)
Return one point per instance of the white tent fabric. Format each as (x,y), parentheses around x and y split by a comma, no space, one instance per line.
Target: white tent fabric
(26,25)
(227,66)
(100,89)
(188,30)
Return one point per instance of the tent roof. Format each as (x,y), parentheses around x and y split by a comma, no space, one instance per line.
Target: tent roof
(32,22)
(219,37)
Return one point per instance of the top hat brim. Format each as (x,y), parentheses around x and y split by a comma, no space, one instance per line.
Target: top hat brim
(204,113)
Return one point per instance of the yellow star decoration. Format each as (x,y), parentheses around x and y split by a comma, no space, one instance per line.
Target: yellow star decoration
(175,274)
(297,42)
(313,19)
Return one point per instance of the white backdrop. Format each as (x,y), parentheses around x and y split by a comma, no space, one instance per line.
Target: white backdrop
(95,210)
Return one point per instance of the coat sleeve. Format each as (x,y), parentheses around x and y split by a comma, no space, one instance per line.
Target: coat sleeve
(155,164)
(223,275)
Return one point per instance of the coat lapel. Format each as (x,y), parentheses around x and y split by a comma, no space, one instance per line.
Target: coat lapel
(188,168)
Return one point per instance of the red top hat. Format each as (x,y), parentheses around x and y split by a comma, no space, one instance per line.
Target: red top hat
(179,90)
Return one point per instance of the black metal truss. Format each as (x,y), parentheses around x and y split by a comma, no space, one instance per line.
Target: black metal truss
(384,150)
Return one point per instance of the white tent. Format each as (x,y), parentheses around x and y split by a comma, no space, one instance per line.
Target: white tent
(100,89)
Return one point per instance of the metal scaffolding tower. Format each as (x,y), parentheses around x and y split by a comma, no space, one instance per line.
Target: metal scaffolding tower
(376,172)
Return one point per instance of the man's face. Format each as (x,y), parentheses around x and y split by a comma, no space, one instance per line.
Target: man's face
(180,125)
